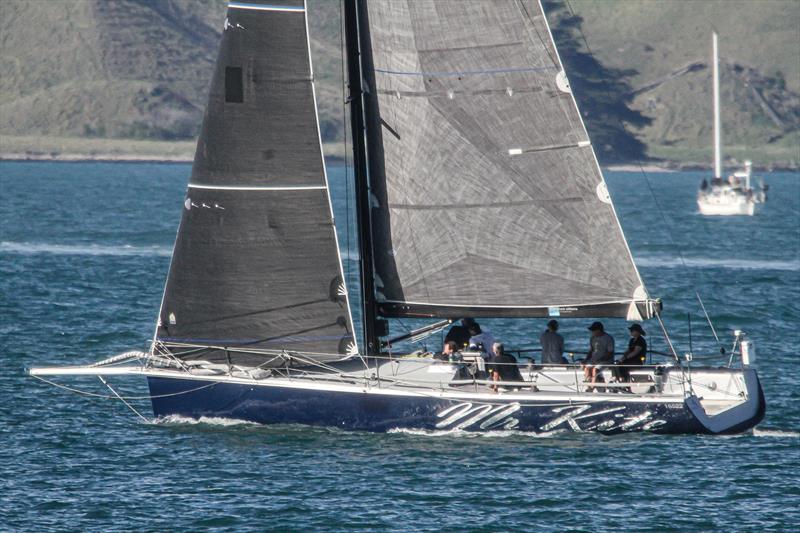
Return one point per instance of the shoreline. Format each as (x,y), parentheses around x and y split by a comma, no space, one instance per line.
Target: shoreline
(650,166)
(93,158)
(110,158)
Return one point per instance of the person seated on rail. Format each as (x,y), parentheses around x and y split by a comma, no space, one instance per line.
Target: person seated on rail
(601,353)
(504,367)
(481,336)
(459,333)
(552,345)
(636,354)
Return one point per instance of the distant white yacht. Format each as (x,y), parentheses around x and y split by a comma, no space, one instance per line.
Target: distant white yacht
(734,195)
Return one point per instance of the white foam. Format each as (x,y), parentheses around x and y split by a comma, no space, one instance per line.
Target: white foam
(177,420)
(775,433)
(669,261)
(32,248)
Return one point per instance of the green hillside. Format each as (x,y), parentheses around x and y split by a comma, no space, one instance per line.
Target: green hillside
(126,69)
(90,76)
(668,44)
(131,69)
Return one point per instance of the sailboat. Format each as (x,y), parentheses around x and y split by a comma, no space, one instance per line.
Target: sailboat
(478,194)
(734,195)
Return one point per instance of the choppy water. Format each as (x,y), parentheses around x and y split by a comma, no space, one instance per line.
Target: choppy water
(84,250)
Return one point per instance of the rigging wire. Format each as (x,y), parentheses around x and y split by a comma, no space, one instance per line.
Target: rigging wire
(708,318)
(118,397)
(660,212)
(344,140)
(123,400)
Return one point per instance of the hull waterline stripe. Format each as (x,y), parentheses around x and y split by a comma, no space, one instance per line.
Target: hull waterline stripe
(265,7)
(257,188)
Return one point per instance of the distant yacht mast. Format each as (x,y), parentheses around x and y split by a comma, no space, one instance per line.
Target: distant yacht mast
(733,196)
(717,128)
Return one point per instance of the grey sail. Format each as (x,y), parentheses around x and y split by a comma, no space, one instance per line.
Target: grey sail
(256,267)
(488,199)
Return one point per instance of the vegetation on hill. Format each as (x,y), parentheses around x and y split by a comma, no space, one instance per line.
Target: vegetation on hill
(667,45)
(139,70)
(603,93)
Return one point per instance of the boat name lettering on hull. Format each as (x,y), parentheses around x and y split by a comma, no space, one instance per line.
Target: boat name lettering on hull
(483,416)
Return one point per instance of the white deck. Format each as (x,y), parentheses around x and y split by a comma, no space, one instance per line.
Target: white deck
(716,389)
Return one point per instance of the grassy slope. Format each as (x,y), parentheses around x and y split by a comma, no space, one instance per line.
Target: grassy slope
(139,69)
(130,69)
(657,37)
(100,72)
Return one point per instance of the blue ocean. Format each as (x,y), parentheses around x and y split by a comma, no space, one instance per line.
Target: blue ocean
(84,253)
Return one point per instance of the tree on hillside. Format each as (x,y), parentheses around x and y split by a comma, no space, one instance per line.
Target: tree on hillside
(603,93)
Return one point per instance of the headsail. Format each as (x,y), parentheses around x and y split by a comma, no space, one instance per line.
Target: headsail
(256,264)
(488,199)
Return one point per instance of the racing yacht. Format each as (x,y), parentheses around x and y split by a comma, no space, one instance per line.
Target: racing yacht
(478,195)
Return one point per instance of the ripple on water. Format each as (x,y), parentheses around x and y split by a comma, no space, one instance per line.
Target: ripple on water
(81,279)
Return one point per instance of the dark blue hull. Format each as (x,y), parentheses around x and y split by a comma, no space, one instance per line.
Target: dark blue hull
(385,411)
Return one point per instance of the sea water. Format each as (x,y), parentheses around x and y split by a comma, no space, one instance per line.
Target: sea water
(84,252)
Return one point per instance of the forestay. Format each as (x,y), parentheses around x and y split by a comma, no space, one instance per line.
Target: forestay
(488,199)
(256,264)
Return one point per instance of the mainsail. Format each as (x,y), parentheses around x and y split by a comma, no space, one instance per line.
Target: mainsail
(487,196)
(256,265)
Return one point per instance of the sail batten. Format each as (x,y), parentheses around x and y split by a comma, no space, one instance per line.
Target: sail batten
(488,199)
(256,264)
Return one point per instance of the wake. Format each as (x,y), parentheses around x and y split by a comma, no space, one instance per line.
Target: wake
(214,421)
(775,433)
(30,248)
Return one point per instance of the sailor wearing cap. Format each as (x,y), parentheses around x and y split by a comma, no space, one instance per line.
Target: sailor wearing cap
(552,345)
(601,352)
(636,354)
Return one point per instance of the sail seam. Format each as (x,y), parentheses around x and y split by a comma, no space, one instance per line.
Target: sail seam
(464,72)
(259,188)
(453,93)
(266,7)
(497,205)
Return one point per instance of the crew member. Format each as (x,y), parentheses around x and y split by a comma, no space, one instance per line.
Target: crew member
(552,345)
(504,366)
(636,354)
(450,352)
(481,337)
(459,333)
(601,353)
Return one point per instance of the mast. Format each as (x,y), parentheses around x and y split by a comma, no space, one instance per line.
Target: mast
(717,133)
(352,14)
